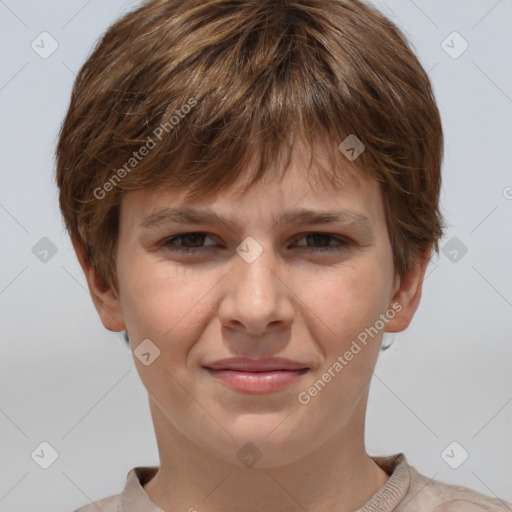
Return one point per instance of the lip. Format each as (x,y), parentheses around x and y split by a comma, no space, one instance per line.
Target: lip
(256,375)
(257,382)
(245,364)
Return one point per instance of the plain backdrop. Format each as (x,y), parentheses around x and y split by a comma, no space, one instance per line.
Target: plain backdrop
(66,381)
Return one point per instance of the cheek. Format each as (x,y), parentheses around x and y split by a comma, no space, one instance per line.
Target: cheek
(164,302)
(344,310)
(346,301)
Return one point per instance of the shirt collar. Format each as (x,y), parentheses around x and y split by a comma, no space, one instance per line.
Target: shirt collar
(135,499)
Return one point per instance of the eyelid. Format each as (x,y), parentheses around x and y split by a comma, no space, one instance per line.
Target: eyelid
(168,239)
(335,236)
(343,242)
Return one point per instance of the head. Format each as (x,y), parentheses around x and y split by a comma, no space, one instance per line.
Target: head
(241,110)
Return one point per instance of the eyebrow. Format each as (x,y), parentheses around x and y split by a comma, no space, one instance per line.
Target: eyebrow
(192,215)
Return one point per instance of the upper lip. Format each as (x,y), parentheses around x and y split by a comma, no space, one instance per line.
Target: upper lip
(246,364)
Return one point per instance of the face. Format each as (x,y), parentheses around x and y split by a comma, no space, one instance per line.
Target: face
(258,285)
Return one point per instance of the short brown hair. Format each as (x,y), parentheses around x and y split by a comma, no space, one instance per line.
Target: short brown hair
(230,79)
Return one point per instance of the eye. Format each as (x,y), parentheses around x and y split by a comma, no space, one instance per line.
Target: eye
(193,242)
(323,240)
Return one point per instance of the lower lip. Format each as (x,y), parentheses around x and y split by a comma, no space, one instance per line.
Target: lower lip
(257,382)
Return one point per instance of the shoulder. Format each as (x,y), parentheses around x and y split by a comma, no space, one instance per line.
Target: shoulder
(428,495)
(109,504)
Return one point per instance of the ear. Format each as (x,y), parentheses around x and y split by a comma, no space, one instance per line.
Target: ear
(407,294)
(105,300)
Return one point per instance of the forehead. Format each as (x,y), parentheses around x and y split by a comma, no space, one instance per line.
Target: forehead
(317,179)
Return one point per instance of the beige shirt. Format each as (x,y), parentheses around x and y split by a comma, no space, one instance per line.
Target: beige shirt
(405,491)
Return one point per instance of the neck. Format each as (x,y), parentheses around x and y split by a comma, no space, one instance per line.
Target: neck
(339,476)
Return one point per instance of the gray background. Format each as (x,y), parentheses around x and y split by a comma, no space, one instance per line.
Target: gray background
(65,380)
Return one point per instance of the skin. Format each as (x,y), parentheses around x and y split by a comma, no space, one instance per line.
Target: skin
(290,302)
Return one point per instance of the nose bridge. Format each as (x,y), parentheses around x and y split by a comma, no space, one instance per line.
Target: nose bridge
(255,296)
(256,268)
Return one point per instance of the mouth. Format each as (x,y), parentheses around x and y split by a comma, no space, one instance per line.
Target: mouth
(256,376)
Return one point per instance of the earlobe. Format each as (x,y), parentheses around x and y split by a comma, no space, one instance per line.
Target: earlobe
(105,300)
(408,294)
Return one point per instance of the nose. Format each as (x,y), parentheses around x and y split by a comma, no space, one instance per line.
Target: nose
(256,296)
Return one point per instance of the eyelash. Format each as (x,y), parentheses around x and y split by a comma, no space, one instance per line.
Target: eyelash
(344,244)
